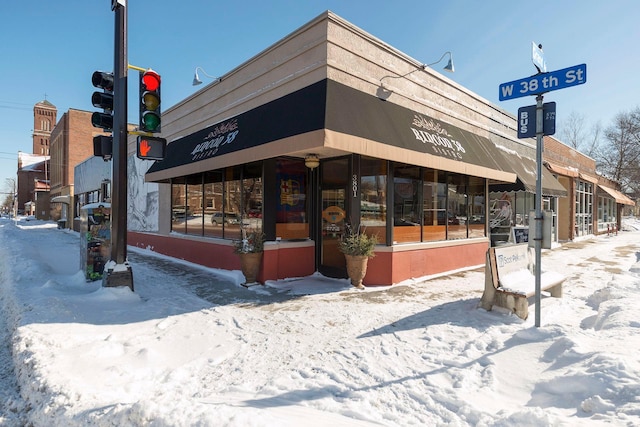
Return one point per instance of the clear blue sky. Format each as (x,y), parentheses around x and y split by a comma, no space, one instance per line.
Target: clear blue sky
(51,48)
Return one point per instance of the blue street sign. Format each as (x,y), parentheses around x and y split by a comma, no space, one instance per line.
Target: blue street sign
(544,82)
(527,120)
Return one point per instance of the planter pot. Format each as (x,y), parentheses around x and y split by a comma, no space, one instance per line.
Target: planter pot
(250,266)
(357,269)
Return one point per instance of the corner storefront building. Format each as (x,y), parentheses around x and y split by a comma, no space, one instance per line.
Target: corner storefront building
(328,128)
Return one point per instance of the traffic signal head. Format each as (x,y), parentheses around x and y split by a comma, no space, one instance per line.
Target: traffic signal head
(150,116)
(103,146)
(151,147)
(104,100)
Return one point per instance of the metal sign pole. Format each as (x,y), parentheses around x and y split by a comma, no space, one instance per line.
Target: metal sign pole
(539,218)
(118,271)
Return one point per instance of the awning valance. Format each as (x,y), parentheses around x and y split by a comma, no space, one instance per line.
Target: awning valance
(61,199)
(332,116)
(561,170)
(526,171)
(588,178)
(617,195)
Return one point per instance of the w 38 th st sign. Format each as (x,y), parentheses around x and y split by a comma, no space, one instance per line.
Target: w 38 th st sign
(544,82)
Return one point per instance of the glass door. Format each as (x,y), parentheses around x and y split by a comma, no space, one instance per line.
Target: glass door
(333,216)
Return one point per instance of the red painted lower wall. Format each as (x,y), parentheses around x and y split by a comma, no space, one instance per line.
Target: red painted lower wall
(277,263)
(386,268)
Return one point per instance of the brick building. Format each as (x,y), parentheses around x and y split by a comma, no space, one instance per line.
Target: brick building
(71,144)
(33,169)
(594,204)
(44,119)
(33,185)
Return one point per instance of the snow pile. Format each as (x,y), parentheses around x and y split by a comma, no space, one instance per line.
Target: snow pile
(193,347)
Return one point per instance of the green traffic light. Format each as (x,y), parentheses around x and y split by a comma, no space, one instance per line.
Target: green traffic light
(151,121)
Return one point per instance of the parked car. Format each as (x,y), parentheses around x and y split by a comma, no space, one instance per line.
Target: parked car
(217,218)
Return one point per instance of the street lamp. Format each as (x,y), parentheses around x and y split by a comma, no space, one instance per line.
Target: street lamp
(196,77)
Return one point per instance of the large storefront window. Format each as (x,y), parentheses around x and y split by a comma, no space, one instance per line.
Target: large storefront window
(434,194)
(584,208)
(457,207)
(252,196)
(194,201)
(476,199)
(406,204)
(218,203)
(292,220)
(373,197)
(179,208)
(606,213)
(216,216)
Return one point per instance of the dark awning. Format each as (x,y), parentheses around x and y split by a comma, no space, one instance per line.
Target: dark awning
(525,168)
(341,120)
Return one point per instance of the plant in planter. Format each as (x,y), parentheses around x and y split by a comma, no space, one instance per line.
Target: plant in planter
(250,249)
(357,248)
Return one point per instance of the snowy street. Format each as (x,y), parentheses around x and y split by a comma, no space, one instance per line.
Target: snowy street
(192,347)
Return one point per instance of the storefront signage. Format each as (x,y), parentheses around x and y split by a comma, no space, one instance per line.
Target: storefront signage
(334,214)
(437,137)
(224,133)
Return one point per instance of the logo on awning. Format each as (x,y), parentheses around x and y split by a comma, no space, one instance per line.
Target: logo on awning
(441,141)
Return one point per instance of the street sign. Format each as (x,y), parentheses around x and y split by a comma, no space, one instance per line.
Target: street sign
(544,82)
(537,57)
(527,120)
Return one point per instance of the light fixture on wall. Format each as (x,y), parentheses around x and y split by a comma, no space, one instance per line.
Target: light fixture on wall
(449,67)
(196,77)
(384,92)
(311,161)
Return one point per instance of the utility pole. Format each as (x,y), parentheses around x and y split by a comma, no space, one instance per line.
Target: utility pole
(117,270)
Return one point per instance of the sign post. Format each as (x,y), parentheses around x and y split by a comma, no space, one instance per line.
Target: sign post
(538,204)
(538,85)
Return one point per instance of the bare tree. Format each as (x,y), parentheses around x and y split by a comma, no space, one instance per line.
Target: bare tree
(575,135)
(619,156)
(8,191)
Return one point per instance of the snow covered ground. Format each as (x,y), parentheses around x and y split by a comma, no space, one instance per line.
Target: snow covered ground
(191,347)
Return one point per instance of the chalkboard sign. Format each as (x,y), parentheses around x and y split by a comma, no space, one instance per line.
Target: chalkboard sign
(520,234)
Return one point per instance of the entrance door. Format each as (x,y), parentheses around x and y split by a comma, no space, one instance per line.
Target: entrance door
(333,216)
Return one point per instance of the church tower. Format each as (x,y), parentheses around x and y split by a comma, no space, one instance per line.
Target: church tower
(44,119)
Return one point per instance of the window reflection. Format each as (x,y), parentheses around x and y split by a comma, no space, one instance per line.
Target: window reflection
(406,204)
(291,203)
(373,197)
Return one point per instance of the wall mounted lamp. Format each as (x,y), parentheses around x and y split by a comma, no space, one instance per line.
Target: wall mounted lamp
(311,161)
(196,77)
(449,67)
(384,93)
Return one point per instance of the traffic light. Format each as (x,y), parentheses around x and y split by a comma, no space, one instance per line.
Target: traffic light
(151,147)
(104,100)
(103,146)
(150,101)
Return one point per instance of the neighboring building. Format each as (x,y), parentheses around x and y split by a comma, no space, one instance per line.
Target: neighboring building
(33,169)
(44,119)
(92,184)
(71,144)
(595,203)
(332,127)
(33,185)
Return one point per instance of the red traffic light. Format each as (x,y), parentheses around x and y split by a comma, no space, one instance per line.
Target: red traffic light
(150,115)
(151,80)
